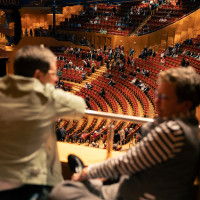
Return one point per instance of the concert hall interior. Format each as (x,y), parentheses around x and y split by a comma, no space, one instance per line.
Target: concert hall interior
(110,53)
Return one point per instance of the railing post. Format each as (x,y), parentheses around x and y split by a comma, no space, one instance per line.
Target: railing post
(110,136)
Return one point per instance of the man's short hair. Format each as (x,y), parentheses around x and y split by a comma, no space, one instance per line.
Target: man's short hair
(186,81)
(29,58)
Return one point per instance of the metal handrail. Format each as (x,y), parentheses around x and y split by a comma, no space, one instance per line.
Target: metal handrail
(113,116)
(98,114)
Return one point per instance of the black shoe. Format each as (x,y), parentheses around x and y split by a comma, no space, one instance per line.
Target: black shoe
(75,163)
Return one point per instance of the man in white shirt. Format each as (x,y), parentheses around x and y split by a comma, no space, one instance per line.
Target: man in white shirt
(29,104)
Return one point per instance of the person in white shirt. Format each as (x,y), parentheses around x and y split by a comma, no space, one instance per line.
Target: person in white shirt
(29,105)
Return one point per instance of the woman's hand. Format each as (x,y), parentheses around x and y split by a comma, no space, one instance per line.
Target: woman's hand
(81,176)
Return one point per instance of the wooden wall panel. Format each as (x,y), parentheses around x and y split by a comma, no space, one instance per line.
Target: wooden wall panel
(179,31)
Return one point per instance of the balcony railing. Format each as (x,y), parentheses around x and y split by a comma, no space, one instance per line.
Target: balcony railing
(112,116)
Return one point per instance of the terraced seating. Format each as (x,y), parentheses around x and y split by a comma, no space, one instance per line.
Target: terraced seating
(72,74)
(122,92)
(111,97)
(167,14)
(136,91)
(107,20)
(112,93)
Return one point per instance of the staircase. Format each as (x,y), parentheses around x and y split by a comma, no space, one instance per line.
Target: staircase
(141,25)
(93,76)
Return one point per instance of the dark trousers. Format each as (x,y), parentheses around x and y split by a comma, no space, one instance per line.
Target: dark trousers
(71,190)
(26,192)
(87,190)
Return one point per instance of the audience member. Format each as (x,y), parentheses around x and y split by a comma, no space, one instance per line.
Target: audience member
(168,151)
(187,63)
(102,93)
(29,104)
(87,101)
(183,62)
(111,82)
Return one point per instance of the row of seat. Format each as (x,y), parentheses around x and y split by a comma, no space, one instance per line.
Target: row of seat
(81,23)
(124,91)
(171,12)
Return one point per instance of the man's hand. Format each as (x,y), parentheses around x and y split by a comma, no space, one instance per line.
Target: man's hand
(81,176)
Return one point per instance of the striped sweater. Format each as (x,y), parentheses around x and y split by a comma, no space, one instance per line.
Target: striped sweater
(160,144)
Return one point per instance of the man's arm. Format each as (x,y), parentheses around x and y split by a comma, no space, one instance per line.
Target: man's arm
(68,105)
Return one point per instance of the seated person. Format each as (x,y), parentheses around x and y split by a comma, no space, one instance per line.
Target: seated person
(134,80)
(132,73)
(183,62)
(111,82)
(168,151)
(102,93)
(187,63)
(197,56)
(146,89)
(87,101)
(116,138)
(86,85)
(89,86)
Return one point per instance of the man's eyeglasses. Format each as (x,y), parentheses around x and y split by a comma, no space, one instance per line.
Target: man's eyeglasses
(52,72)
(161,96)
